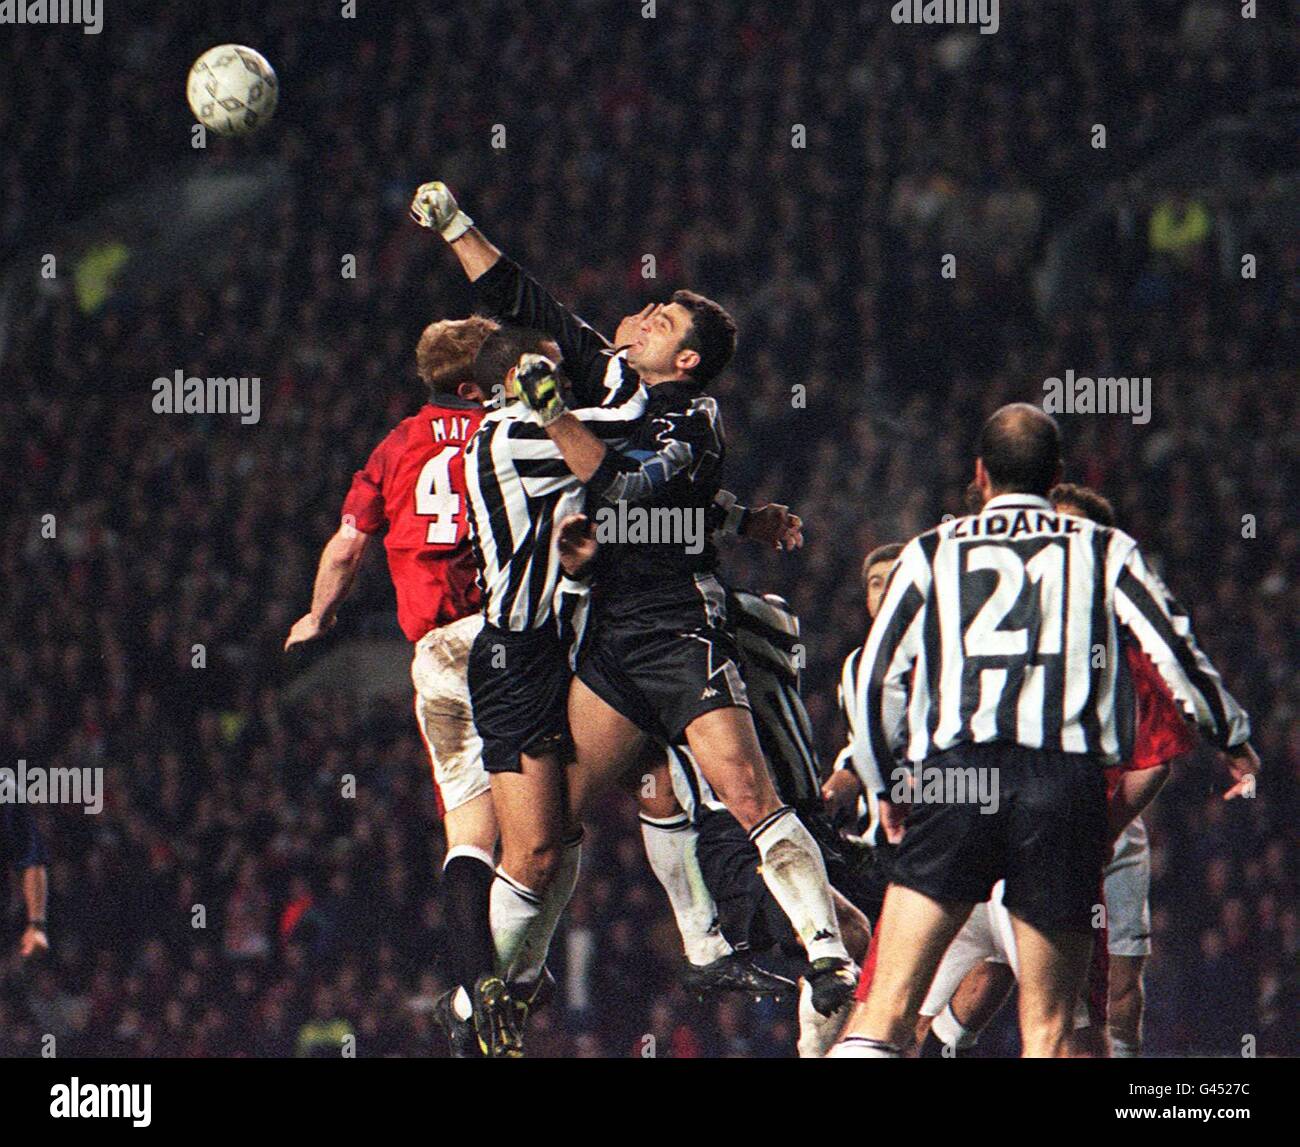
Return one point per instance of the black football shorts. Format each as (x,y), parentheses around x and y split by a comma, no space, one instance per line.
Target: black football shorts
(662,657)
(519,691)
(1046,835)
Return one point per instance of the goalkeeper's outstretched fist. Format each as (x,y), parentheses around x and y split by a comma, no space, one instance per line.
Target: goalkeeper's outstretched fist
(434,208)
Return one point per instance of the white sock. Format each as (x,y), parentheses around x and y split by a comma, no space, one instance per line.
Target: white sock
(795,873)
(818,1033)
(950,1032)
(670,848)
(513,910)
(861,1047)
(1122,1049)
(526,935)
(460,1004)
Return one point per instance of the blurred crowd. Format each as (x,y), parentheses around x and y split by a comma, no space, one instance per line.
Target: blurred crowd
(235,897)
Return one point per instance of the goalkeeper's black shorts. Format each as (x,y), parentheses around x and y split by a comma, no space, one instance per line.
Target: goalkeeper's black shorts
(662,657)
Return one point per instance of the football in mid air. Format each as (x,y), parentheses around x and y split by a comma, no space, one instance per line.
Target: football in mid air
(232,90)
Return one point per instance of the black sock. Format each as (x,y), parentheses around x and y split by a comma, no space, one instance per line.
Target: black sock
(466,880)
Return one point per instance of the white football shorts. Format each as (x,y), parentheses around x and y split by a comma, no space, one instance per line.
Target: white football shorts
(1128,892)
(442,710)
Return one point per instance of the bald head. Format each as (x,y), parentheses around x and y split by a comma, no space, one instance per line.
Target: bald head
(1020,447)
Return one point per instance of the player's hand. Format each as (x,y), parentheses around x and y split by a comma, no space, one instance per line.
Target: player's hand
(774,525)
(630,327)
(539,387)
(892,817)
(841,792)
(307,628)
(33,943)
(577,543)
(1243,764)
(434,208)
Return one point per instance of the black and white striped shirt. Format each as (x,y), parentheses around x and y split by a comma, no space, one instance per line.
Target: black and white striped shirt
(771,662)
(868,808)
(520,490)
(1005,625)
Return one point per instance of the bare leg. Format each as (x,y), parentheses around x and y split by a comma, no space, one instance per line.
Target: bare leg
(854,927)
(915,931)
(606,746)
(539,864)
(472,825)
(1126,1005)
(1053,967)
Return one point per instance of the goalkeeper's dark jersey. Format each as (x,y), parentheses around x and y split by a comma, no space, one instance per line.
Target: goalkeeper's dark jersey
(670,467)
(665,481)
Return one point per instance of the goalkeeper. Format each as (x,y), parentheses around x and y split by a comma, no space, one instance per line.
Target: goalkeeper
(661,663)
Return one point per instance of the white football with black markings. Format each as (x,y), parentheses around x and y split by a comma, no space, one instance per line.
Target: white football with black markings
(232,90)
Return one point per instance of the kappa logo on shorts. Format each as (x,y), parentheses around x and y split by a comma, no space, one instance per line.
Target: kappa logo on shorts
(709,691)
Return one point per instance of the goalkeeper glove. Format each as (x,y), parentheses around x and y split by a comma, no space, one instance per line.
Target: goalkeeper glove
(434,208)
(539,388)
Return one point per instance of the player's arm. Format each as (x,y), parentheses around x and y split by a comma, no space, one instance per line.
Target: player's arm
(772,525)
(1143,607)
(616,476)
(25,850)
(506,292)
(1137,789)
(577,545)
(35,896)
(842,789)
(339,562)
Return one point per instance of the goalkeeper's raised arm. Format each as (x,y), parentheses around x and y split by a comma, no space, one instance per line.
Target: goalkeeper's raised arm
(510,295)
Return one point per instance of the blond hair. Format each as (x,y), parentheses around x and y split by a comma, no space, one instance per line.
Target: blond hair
(444,356)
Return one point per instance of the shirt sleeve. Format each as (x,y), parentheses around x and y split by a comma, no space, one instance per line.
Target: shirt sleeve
(363,508)
(878,714)
(20,840)
(725,515)
(1145,608)
(684,440)
(505,291)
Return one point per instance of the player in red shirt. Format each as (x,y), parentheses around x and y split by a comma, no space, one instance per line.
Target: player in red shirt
(412,490)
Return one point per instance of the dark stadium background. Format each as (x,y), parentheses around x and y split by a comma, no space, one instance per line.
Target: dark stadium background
(625,136)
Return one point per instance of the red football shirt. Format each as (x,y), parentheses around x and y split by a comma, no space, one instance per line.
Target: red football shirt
(1162,732)
(414,484)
